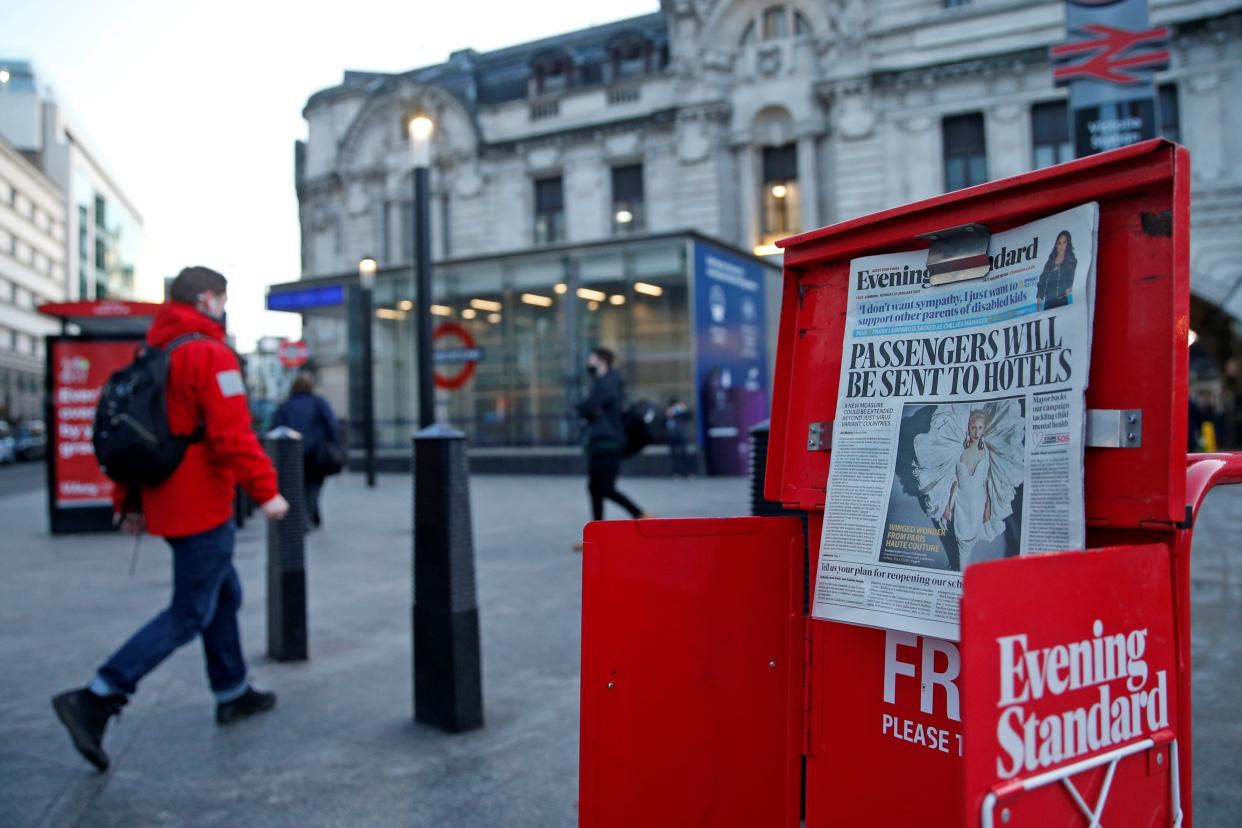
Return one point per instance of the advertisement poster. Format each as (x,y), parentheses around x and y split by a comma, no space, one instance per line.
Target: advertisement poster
(731,343)
(959,424)
(79,369)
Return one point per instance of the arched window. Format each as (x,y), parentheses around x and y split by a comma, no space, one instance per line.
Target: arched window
(629,56)
(551,72)
(776,23)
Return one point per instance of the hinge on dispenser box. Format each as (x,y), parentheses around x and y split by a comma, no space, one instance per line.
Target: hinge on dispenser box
(819,436)
(1114,428)
(957,254)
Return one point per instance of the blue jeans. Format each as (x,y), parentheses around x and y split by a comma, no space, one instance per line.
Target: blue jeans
(206,597)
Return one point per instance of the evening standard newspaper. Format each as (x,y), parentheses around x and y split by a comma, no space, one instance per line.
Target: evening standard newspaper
(959,425)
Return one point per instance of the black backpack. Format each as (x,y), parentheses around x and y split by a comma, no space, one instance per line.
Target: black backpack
(133,443)
(638,421)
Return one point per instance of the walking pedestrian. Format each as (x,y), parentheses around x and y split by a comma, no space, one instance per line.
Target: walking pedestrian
(191,509)
(310,414)
(676,415)
(605,434)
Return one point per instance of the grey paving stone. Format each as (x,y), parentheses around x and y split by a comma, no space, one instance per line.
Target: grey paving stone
(341,748)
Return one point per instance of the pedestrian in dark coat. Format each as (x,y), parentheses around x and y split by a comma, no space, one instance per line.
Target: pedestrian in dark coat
(311,416)
(676,416)
(604,439)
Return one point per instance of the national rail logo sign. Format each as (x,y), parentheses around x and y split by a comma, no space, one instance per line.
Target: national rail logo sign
(455,356)
(1111,55)
(1109,61)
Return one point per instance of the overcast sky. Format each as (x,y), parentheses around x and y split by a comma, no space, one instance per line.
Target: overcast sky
(194,108)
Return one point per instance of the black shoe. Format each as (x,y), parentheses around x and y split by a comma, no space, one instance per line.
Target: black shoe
(247,704)
(86,716)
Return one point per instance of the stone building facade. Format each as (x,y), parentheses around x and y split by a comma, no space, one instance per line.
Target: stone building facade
(745,120)
(32,264)
(103,235)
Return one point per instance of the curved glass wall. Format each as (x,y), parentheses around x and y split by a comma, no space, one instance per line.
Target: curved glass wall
(513,333)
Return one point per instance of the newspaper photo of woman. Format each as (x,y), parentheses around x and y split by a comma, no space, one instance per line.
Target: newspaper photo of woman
(969,465)
(956,495)
(1056,282)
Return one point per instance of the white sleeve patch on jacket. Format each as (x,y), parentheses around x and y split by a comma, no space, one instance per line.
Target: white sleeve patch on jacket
(231,383)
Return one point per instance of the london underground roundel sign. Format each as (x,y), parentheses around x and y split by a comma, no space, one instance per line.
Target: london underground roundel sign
(455,356)
(293,354)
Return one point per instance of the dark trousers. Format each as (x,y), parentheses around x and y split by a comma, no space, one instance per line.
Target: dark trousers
(680,455)
(313,483)
(602,470)
(206,597)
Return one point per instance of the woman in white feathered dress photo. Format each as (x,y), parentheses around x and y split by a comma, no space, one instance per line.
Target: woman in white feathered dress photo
(969,465)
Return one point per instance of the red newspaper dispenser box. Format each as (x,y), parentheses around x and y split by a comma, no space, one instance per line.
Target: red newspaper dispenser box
(105,335)
(705,684)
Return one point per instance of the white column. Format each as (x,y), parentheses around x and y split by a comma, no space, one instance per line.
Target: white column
(1007,136)
(1202,115)
(808,182)
(748,170)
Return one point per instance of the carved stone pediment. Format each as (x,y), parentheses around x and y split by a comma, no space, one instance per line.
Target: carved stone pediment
(543,157)
(696,128)
(849,107)
(466,180)
(375,137)
(769,60)
(622,144)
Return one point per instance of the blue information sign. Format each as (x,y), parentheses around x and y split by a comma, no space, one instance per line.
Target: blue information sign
(730,336)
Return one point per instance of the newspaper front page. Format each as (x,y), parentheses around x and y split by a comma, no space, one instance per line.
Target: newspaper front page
(959,426)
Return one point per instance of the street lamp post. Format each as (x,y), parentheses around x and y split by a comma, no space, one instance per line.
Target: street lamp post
(448,685)
(421,128)
(366,281)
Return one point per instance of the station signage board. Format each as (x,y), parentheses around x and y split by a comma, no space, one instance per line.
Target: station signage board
(1108,61)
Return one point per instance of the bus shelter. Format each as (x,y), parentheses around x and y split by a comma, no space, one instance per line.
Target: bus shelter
(96,339)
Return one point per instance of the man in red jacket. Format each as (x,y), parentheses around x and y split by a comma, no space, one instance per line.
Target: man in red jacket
(193,510)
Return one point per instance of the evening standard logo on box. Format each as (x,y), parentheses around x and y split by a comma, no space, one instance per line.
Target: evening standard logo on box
(1128,703)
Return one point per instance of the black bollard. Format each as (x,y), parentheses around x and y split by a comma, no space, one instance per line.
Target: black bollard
(448,686)
(286,558)
(760,505)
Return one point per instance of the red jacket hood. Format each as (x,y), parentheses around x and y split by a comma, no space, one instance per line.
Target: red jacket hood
(176,319)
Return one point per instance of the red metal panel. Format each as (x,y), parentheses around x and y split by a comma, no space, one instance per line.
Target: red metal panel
(692,673)
(884,727)
(807,371)
(1142,307)
(1052,682)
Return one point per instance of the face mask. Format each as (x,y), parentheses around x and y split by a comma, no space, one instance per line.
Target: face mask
(593,370)
(213,306)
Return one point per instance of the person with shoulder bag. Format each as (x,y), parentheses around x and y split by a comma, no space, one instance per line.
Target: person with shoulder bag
(605,437)
(310,415)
